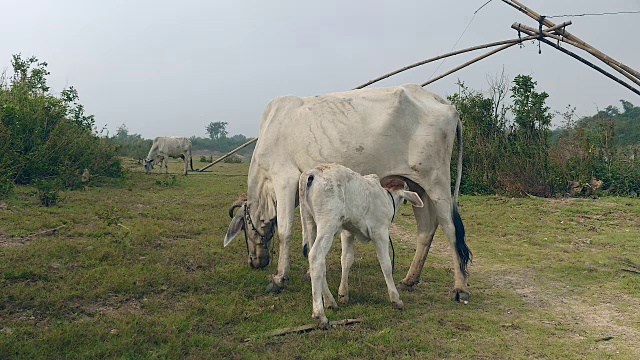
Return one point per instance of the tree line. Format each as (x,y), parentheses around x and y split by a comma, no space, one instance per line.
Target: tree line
(509,148)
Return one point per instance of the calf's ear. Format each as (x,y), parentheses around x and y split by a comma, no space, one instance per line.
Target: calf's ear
(413,198)
(234,227)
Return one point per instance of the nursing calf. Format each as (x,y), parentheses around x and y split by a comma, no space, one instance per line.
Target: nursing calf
(334,198)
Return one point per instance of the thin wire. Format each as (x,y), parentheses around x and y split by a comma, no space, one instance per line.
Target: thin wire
(460,37)
(595,14)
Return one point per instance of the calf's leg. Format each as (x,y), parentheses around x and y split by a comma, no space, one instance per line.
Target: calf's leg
(346,259)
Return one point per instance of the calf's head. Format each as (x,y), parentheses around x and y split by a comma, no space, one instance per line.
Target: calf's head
(257,232)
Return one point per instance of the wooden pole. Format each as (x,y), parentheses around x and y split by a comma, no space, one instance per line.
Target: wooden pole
(491,53)
(586,62)
(608,61)
(483,46)
(230,153)
(537,17)
(503,47)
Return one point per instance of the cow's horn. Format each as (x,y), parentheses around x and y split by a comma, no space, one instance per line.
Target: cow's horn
(237,204)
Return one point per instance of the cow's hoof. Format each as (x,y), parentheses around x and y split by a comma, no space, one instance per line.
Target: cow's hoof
(323,324)
(306,276)
(460,296)
(274,288)
(398,305)
(404,286)
(343,299)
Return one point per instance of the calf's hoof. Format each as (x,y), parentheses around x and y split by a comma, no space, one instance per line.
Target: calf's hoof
(274,287)
(461,296)
(398,305)
(405,286)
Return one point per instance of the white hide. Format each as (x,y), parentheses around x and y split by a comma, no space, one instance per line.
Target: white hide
(404,131)
(165,147)
(336,199)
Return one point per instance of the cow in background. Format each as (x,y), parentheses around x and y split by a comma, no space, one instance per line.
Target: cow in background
(165,147)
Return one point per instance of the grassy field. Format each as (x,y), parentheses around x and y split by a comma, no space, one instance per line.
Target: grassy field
(137,269)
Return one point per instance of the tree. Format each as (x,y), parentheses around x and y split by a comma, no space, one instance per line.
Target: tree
(217,130)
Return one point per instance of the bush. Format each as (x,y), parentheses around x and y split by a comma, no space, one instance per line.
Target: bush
(44,137)
(232,159)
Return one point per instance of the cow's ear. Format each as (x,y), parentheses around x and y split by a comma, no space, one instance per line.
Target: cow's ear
(234,228)
(413,198)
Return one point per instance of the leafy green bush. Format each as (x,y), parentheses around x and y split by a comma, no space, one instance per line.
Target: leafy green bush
(233,159)
(48,190)
(43,136)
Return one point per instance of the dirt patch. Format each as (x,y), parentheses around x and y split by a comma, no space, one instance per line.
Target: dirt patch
(607,319)
(11,241)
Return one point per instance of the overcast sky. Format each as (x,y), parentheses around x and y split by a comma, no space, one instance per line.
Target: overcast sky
(171,67)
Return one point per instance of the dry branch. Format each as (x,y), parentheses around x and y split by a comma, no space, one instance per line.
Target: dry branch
(45,231)
(310,327)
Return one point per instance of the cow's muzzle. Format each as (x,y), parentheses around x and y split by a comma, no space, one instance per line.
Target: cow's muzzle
(259,262)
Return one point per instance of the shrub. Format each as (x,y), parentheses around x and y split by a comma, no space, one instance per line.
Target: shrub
(233,159)
(43,137)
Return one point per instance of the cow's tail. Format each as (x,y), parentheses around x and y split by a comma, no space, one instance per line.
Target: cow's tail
(464,254)
(303,187)
(191,161)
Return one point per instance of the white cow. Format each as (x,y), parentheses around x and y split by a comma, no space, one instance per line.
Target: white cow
(165,147)
(336,199)
(403,132)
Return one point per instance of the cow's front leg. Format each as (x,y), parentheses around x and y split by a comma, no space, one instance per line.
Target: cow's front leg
(286,204)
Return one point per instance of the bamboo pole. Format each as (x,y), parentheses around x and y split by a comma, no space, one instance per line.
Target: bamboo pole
(491,53)
(600,55)
(230,153)
(614,65)
(483,46)
(586,62)
(469,63)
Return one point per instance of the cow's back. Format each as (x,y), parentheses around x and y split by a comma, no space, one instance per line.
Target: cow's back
(401,131)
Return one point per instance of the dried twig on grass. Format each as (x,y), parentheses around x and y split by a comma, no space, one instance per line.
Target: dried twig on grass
(45,231)
(635,268)
(308,327)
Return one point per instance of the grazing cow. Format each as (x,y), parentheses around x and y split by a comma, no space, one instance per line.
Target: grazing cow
(165,147)
(403,132)
(334,198)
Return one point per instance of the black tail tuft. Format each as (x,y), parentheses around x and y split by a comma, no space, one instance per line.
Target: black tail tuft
(464,254)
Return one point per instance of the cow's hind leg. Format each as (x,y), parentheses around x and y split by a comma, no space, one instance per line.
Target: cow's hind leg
(453,229)
(427,224)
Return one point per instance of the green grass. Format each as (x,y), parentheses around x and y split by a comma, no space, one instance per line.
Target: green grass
(137,269)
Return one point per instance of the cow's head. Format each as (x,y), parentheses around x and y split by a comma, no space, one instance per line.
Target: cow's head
(148,165)
(257,232)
